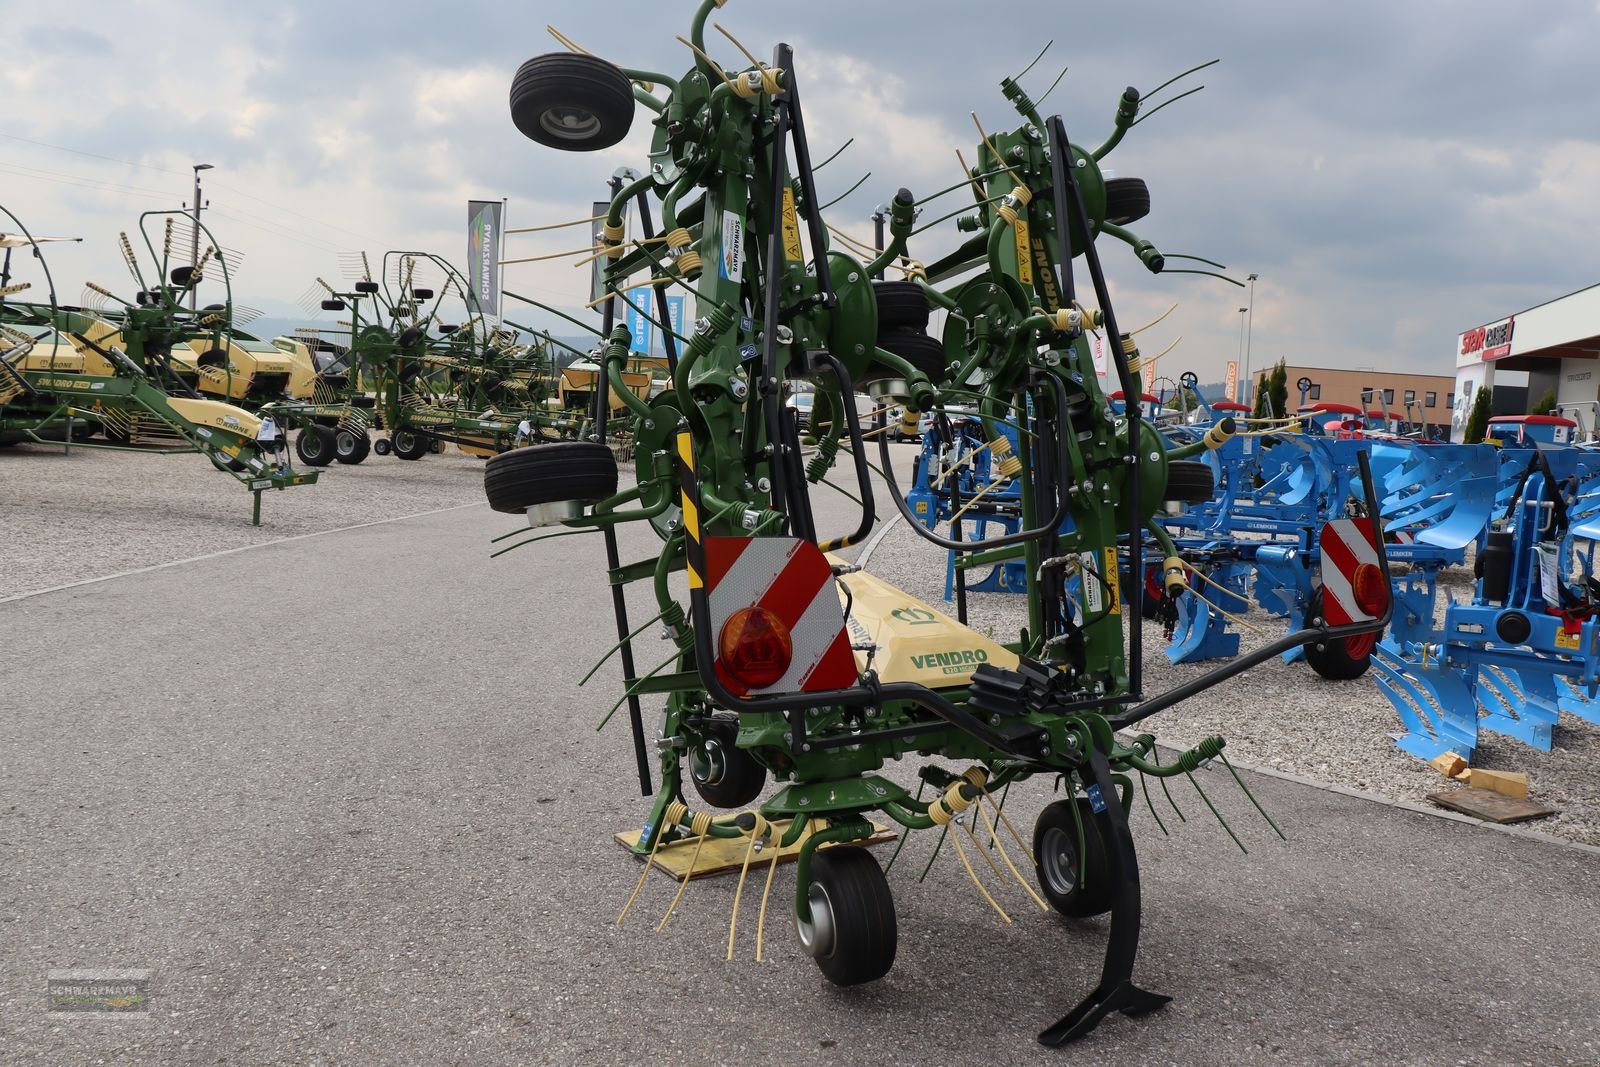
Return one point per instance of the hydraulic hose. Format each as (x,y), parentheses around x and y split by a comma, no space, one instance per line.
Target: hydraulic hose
(1063,459)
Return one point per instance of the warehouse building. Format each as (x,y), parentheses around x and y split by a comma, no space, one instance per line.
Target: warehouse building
(1417,398)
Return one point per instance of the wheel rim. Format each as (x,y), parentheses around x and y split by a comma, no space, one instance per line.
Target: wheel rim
(1058,861)
(1360,646)
(817,936)
(569,122)
(403,442)
(345,442)
(709,763)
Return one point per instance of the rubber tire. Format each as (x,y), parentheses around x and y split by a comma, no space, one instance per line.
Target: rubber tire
(351,447)
(1127,200)
(382,447)
(1189,482)
(1056,830)
(417,447)
(901,306)
(742,777)
(315,446)
(865,933)
(918,349)
(584,471)
(1332,659)
(587,86)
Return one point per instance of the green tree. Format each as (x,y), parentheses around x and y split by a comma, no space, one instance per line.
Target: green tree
(1278,388)
(1258,399)
(1478,417)
(1546,403)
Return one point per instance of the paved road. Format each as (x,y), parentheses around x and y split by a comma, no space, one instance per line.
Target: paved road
(344,798)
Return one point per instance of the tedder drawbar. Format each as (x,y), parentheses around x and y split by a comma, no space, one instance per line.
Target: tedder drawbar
(791,662)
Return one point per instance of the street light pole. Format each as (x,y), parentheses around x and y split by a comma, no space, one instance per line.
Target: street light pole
(1249,323)
(194,244)
(1251,392)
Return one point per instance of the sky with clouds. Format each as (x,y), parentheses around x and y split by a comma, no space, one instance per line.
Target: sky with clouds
(1395,172)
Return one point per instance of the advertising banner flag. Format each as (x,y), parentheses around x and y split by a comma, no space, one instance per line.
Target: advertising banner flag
(642,329)
(675,319)
(1231,387)
(485,222)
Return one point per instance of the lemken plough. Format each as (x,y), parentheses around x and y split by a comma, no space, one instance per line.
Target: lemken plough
(788,660)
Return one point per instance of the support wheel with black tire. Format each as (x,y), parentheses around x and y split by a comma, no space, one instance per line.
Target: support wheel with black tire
(381,446)
(577,103)
(351,446)
(1127,200)
(852,932)
(1342,658)
(408,444)
(582,471)
(918,349)
(1076,883)
(901,306)
(1189,482)
(315,445)
(725,775)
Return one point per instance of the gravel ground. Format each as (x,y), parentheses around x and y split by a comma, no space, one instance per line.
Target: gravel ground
(70,517)
(1287,718)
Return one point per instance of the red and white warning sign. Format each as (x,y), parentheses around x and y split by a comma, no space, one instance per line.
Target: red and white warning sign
(776,620)
(1354,586)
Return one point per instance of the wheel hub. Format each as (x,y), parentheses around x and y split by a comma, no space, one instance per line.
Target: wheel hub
(816,936)
(1058,860)
(569,122)
(709,762)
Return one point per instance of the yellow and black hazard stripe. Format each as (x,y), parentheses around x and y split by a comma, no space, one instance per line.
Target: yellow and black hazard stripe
(690,489)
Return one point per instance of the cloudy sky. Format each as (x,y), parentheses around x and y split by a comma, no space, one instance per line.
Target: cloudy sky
(1395,172)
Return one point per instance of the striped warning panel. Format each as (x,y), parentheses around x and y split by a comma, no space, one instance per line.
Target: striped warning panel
(791,578)
(1346,544)
(787,576)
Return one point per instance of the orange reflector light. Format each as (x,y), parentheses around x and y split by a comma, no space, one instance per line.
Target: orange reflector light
(754,647)
(1371,589)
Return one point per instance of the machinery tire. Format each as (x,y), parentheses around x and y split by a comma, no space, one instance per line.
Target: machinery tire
(852,934)
(315,445)
(1342,659)
(351,447)
(725,775)
(1127,200)
(901,306)
(918,349)
(408,444)
(584,471)
(573,102)
(382,447)
(1189,482)
(224,462)
(1056,862)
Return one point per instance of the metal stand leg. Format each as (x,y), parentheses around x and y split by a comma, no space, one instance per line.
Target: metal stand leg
(255,512)
(1116,991)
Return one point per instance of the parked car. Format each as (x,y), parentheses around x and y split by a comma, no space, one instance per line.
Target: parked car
(801,403)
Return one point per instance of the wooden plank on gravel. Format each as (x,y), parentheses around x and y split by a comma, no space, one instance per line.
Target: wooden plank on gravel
(1490,806)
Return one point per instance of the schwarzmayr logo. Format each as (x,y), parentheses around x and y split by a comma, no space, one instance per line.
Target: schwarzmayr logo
(951,662)
(97,994)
